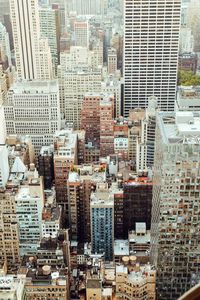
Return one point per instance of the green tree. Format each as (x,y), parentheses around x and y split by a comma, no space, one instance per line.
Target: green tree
(187,78)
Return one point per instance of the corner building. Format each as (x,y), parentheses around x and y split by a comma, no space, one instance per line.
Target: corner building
(175,209)
(151,41)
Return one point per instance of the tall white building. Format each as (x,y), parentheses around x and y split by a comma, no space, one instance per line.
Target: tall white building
(113,86)
(76,56)
(81,33)
(5,43)
(87,7)
(29,206)
(73,86)
(146,143)
(151,41)
(40,118)
(82,57)
(186,43)
(5,9)
(112,60)
(27,43)
(49,29)
(175,213)
(4,166)
(2,126)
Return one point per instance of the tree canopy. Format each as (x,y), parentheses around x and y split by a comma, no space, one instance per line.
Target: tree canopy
(188,78)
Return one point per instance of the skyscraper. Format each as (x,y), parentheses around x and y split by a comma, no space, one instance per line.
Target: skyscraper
(112,60)
(50,29)
(175,208)
(27,42)
(106,125)
(102,221)
(40,118)
(150,52)
(81,33)
(87,7)
(9,232)
(5,43)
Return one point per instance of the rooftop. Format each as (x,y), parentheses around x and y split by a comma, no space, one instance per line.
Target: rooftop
(189,92)
(65,141)
(180,127)
(121,269)
(139,239)
(107,100)
(35,87)
(46,150)
(121,247)
(95,173)
(93,284)
(103,196)
(51,214)
(138,181)
(188,98)
(73,177)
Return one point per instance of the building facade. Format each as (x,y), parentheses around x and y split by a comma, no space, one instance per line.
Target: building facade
(102,221)
(81,33)
(65,157)
(29,205)
(151,42)
(90,118)
(45,166)
(28,46)
(41,118)
(137,203)
(175,208)
(106,125)
(9,232)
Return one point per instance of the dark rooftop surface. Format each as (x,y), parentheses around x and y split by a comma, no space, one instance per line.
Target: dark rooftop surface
(93,284)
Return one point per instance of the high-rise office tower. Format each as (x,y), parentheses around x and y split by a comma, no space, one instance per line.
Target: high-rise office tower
(2,126)
(137,203)
(40,118)
(112,60)
(65,156)
(5,43)
(27,42)
(145,145)
(29,205)
(102,221)
(90,118)
(4,166)
(76,201)
(175,208)
(151,41)
(50,29)
(112,85)
(4,9)
(73,86)
(87,7)
(9,232)
(45,166)
(106,125)
(81,33)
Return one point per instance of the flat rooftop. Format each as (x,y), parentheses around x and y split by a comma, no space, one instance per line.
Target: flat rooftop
(121,247)
(35,87)
(138,181)
(94,284)
(139,239)
(180,127)
(121,269)
(51,214)
(189,92)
